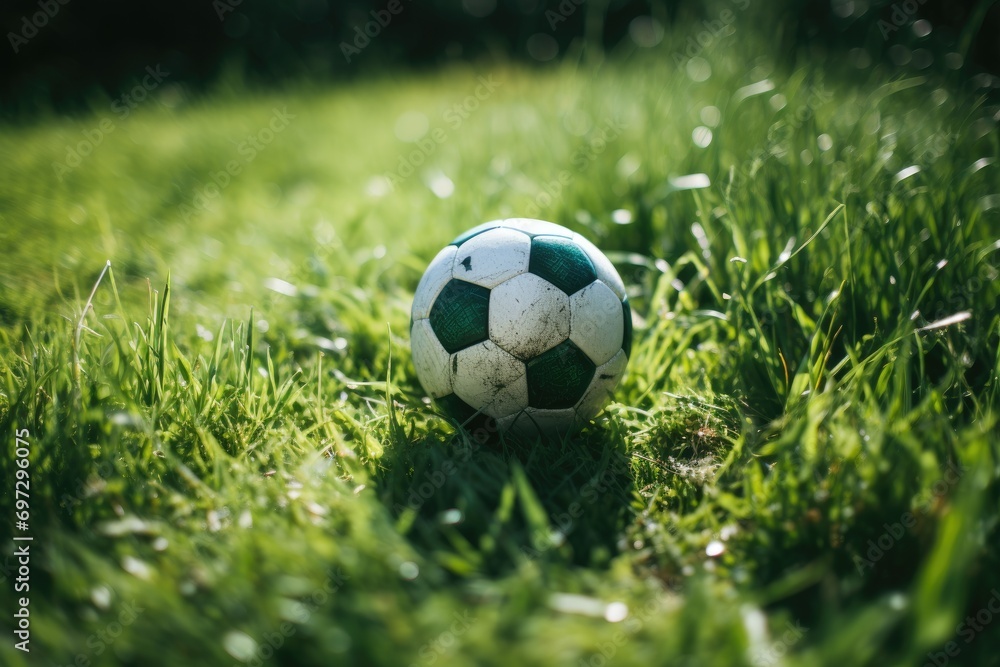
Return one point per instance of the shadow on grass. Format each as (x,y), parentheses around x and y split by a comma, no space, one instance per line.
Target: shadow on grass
(478,501)
(487,503)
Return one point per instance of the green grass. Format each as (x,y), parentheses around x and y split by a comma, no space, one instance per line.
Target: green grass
(230,450)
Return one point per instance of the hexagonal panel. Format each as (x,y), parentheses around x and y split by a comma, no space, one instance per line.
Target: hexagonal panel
(562,262)
(557,379)
(432,361)
(509,400)
(436,276)
(528,315)
(532,422)
(489,379)
(595,323)
(460,315)
(492,257)
(606,271)
(602,387)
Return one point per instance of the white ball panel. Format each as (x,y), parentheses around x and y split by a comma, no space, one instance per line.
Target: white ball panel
(602,387)
(492,257)
(436,276)
(482,373)
(510,400)
(533,422)
(432,361)
(536,227)
(606,271)
(529,315)
(503,423)
(596,322)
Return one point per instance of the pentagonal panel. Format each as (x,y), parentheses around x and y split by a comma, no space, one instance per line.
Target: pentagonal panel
(627,323)
(596,322)
(479,426)
(460,315)
(432,361)
(533,227)
(557,379)
(492,257)
(475,231)
(602,387)
(528,315)
(456,407)
(436,276)
(533,422)
(562,262)
(489,379)
(606,271)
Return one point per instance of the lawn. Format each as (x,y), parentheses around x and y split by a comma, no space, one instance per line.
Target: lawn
(231,460)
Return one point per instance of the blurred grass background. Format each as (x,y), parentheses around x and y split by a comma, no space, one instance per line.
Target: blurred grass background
(800,467)
(75,53)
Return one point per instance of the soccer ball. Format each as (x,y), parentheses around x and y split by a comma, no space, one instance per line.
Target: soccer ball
(523,321)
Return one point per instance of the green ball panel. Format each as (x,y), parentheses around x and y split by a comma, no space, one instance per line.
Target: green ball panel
(460,316)
(627,338)
(558,378)
(455,407)
(466,416)
(561,262)
(475,231)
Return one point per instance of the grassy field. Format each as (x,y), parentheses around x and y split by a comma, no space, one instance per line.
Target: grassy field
(231,461)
